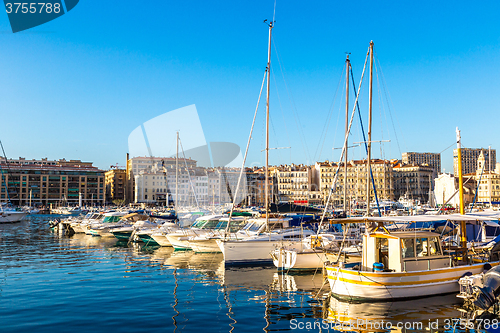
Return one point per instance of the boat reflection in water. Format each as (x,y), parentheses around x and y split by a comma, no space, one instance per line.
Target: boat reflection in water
(86,241)
(313,283)
(432,313)
(199,262)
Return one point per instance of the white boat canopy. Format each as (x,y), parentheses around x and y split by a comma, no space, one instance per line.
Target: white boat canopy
(470,218)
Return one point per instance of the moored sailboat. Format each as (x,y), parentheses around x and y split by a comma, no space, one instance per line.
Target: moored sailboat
(402,265)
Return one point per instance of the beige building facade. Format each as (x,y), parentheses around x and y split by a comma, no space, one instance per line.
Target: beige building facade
(114,181)
(47,183)
(413,181)
(356,181)
(488,189)
(295,184)
(431,159)
(142,163)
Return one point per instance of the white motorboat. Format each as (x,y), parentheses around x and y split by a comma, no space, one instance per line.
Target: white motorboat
(11,215)
(111,220)
(253,245)
(81,225)
(179,239)
(207,243)
(315,251)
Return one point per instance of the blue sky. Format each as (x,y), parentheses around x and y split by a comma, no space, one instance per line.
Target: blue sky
(77,86)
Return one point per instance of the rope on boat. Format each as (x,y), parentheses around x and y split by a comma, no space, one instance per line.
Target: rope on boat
(246,153)
(332,189)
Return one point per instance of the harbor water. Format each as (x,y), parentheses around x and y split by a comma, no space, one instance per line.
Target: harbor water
(51,282)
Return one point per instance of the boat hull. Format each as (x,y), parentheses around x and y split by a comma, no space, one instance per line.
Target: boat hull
(179,241)
(147,239)
(11,217)
(99,232)
(78,228)
(251,252)
(287,259)
(354,285)
(205,246)
(122,235)
(161,239)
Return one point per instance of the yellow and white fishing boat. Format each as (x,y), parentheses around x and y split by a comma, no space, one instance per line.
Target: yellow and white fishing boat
(402,265)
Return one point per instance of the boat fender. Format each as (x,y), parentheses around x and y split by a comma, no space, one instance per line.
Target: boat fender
(487,295)
(466,274)
(378,267)
(487,267)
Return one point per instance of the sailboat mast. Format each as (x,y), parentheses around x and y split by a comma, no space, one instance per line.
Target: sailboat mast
(267,125)
(348,64)
(369,143)
(463,237)
(177,173)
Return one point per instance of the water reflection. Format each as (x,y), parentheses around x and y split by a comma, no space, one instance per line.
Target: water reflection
(413,315)
(87,241)
(143,288)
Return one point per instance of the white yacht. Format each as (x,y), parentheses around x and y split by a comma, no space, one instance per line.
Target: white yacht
(179,239)
(8,215)
(315,250)
(110,221)
(253,244)
(207,243)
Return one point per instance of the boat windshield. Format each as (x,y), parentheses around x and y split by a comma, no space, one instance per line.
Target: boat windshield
(211,224)
(199,224)
(236,225)
(252,226)
(221,225)
(420,247)
(275,225)
(111,219)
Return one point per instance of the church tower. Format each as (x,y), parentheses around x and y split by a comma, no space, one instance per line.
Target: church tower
(480,164)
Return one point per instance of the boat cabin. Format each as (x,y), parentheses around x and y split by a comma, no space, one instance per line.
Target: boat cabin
(403,252)
(258,225)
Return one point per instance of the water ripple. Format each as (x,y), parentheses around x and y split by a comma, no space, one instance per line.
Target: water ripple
(79,283)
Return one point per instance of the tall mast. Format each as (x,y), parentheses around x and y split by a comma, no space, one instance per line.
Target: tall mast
(489,172)
(463,237)
(177,173)
(348,64)
(369,143)
(268,69)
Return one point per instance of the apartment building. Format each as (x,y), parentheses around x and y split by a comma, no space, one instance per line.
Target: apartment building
(295,185)
(114,181)
(470,157)
(488,189)
(159,185)
(356,181)
(47,182)
(413,181)
(142,163)
(431,159)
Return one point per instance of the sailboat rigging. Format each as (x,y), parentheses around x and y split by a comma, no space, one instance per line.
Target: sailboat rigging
(400,265)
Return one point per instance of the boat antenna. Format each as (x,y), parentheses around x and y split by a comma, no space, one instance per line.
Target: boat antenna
(274,12)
